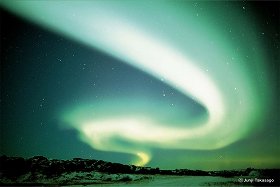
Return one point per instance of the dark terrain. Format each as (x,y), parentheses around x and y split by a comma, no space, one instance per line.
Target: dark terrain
(39,170)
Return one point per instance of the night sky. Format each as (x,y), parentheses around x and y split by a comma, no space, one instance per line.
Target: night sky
(167,84)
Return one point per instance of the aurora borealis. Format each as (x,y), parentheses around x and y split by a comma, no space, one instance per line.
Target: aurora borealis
(194,81)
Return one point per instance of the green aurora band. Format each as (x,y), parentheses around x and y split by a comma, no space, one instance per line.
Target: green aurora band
(188,50)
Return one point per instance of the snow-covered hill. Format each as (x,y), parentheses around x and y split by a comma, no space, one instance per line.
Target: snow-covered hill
(39,170)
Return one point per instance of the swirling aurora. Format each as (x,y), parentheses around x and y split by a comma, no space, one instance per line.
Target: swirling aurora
(187,47)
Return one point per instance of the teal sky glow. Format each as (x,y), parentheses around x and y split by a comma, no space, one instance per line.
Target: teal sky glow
(186,45)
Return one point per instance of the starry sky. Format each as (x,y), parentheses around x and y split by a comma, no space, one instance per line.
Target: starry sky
(169,84)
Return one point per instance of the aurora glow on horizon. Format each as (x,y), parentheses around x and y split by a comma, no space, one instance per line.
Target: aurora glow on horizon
(173,43)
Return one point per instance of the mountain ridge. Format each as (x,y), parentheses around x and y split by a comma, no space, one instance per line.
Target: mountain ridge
(41,170)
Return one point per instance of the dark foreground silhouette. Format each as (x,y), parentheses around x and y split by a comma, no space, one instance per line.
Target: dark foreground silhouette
(39,170)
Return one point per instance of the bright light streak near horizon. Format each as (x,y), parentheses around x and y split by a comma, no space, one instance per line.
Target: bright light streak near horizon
(191,58)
